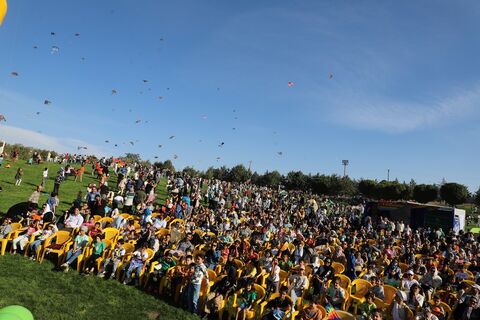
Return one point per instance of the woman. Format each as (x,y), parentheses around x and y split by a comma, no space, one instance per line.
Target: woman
(98,248)
(245,301)
(95,230)
(415,298)
(22,240)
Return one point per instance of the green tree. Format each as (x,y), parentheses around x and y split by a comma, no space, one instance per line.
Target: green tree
(132,157)
(190,171)
(368,188)
(297,180)
(271,179)
(424,193)
(239,174)
(477,197)
(454,193)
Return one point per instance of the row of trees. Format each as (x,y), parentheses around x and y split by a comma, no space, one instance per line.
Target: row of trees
(334,185)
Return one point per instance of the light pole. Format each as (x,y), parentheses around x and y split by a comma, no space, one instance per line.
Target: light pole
(345,164)
(388,175)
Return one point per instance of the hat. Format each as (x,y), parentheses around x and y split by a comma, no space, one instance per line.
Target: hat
(476,287)
(410,272)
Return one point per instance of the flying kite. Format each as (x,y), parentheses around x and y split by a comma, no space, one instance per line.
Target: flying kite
(38,112)
(138,121)
(330,76)
(14,73)
(52,33)
(145,81)
(131,142)
(47,102)
(175,156)
(114,91)
(171,137)
(221,144)
(159,145)
(2,118)
(280,153)
(77,34)
(3,10)
(106,141)
(54,50)
(290,83)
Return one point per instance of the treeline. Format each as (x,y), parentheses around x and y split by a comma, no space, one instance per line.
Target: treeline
(335,185)
(25,153)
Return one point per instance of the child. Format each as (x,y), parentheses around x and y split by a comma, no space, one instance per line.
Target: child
(368,307)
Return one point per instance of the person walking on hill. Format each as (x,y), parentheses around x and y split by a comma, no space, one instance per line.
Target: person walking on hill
(44,177)
(18,176)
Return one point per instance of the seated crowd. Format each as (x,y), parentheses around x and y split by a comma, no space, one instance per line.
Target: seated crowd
(226,250)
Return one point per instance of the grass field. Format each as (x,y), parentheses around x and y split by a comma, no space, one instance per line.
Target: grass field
(57,295)
(12,194)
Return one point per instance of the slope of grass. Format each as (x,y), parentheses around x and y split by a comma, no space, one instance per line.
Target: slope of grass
(57,295)
(12,194)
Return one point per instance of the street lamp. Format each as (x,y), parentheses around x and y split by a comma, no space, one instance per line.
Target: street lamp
(345,164)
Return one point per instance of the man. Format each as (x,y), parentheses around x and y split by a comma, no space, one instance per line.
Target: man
(161,269)
(34,198)
(297,283)
(336,294)
(313,311)
(44,177)
(75,220)
(81,241)
(185,245)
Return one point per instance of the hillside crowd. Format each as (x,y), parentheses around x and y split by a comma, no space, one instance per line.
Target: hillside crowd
(242,251)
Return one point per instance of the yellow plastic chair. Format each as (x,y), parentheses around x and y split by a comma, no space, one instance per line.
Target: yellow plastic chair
(3,243)
(162,232)
(180,221)
(97,217)
(62,238)
(358,295)
(251,314)
(338,267)
(261,306)
(86,252)
(105,221)
(111,234)
(129,249)
(390,293)
(126,216)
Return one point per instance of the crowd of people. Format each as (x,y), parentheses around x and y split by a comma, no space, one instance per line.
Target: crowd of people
(222,249)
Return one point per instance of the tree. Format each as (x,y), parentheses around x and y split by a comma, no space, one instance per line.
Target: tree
(190,171)
(368,188)
(424,193)
(297,180)
(166,165)
(271,179)
(477,197)
(239,174)
(132,158)
(453,193)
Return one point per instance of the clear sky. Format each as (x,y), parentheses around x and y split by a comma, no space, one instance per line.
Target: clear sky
(386,84)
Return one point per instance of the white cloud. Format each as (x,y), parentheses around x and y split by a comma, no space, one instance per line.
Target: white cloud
(383,114)
(31,138)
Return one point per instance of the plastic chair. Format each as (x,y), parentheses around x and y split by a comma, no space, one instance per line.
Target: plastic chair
(344,315)
(358,295)
(390,293)
(62,239)
(338,267)
(251,314)
(261,306)
(105,221)
(111,234)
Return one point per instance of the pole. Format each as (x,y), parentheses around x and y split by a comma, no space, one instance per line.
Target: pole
(344,170)
(388,175)
(249,165)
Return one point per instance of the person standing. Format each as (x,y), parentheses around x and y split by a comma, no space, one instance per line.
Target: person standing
(18,176)
(44,177)
(56,184)
(34,198)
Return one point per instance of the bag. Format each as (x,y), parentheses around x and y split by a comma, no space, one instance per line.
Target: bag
(55,246)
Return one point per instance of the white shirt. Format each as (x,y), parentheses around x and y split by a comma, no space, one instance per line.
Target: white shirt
(74,221)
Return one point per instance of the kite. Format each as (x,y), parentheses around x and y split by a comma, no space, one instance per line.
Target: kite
(204,117)
(2,118)
(3,10)
(160,97)
(38,112)
(52,33)
(290,84)
(159,145)
(79,148)
(116,145)
(145,81)
(47,102)
(234,128)
(221,144)
(175,156)
(138,121)
(171,137)
(82,58)
(14,73)
(54,50)
(330,76)
(131,142)
(280,153)
(35,47)
(156,157)
(114,91)
(106,141)
(217,158)
(77,34)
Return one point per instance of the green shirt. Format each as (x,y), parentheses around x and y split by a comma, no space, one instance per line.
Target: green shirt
(98,247)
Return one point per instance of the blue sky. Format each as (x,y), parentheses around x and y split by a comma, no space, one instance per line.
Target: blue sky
(404,95)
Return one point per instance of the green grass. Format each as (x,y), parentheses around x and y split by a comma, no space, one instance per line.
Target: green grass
(32,177)
(57,295)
